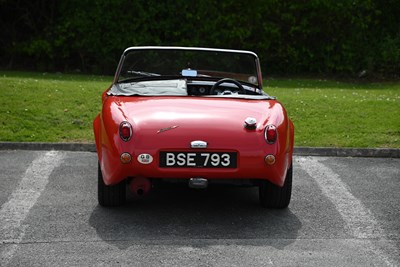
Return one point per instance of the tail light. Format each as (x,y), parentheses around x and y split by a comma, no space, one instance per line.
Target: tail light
(125,131)
(271,134)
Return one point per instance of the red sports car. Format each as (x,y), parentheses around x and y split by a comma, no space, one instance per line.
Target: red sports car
(192,115)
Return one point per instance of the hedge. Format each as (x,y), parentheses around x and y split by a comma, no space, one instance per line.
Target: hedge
(291,37)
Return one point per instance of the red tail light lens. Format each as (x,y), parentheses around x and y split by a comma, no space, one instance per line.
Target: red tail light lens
(271,134)
(125,131)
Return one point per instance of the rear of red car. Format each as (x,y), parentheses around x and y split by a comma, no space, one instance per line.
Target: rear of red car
(183,138)
(236,137)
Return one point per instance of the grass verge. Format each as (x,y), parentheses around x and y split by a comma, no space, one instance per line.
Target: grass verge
(339,114)
(49,107)
(38,107)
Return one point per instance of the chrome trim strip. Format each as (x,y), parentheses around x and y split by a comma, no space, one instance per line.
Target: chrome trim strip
(189,48)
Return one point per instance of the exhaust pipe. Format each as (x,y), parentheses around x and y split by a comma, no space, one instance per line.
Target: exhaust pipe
(198,183)
(140,186)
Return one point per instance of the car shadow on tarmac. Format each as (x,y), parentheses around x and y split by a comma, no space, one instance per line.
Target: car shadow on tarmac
(183,215)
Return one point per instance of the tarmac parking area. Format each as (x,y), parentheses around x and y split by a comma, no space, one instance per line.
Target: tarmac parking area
(345,211)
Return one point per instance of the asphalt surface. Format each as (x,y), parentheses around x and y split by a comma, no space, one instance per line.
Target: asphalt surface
(344,212)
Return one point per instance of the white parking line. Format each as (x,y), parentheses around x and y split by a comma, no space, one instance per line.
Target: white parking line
(359,220)
(24,197)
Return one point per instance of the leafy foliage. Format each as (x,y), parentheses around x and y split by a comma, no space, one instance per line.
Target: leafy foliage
(305,36)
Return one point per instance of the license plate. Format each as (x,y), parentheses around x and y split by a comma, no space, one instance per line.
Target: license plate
(198,159)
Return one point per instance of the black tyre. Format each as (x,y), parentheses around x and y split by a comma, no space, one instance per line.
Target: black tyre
(110,195)
(276,197)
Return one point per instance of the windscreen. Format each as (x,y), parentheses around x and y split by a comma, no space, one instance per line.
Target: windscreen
(139,63)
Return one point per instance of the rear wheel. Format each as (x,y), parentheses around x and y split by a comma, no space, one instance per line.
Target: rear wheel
(276,197)
(110,195)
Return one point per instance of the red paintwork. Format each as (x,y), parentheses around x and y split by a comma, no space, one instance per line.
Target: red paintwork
(218,121)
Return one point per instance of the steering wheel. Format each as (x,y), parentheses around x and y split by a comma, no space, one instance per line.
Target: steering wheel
(227,80)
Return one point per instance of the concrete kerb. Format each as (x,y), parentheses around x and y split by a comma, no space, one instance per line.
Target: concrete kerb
(300,151)
(348,152)
(90,147)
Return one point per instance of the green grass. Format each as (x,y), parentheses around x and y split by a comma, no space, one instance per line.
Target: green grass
(60,108)
(339,114)
(49,107)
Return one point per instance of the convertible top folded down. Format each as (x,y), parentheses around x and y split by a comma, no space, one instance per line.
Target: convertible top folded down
(150,88)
